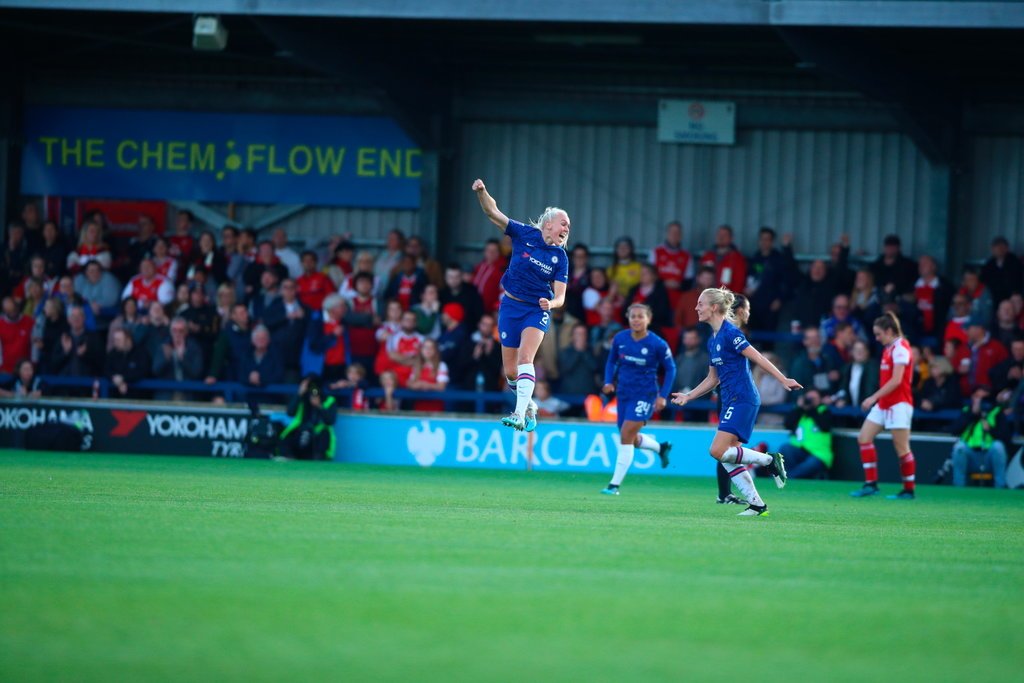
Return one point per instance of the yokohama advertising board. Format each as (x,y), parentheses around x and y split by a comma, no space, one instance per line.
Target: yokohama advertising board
(111,427)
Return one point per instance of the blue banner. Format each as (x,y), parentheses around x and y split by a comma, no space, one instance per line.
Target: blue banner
(557,445)
(262,158)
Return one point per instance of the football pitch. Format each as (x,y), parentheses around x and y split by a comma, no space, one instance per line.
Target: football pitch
(161,568)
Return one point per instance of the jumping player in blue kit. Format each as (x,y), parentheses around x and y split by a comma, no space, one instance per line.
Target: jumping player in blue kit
(729,369)
(535,283)
(635,357)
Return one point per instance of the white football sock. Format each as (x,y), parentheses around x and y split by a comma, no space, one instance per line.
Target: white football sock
(648,443)
(511,383)
(524,387)
(745,483)
(623,460)
(738,455)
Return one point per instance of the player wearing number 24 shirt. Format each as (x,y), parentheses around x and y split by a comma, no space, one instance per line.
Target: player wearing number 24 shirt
(634,360)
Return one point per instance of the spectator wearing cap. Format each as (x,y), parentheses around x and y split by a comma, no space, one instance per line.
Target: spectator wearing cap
(894,272)
(286,254)
(986,353)
(457,290)
(976,292)
(453,343)
(933,295)
(1002,272)
(101,292)
(729,264)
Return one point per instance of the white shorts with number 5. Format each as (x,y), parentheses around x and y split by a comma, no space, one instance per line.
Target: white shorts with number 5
(894,417)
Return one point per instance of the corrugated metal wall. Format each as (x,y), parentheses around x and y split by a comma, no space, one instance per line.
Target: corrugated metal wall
(617,180)
(997,194)
(316,224)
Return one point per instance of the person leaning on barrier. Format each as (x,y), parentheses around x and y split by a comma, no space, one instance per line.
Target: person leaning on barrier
(983,430)
(310,433)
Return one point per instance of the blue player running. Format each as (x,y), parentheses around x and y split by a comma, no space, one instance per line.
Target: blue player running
(730,355)
(534,283)
(635,357)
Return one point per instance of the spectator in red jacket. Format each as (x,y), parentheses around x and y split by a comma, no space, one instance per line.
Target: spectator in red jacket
(933,294)
(487,275)
(730,265)
(15,336)
(986,353)
(313,286)
(673,263)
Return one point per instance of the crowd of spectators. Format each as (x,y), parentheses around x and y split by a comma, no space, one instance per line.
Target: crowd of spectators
(232,307)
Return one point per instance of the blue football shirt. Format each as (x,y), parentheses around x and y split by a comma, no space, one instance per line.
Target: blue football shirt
(725,351)
(533,265)
(637,362)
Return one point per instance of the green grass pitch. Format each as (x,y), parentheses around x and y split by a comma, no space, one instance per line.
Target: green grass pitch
(154,568)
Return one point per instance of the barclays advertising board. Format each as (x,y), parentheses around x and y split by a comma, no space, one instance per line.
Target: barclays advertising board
(557,445)
(360,161)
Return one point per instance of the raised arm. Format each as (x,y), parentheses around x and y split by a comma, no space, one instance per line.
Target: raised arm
(755,357)
(489,206)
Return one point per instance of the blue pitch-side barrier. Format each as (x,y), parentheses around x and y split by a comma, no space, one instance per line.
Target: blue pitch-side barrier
(558,445)
(455,399)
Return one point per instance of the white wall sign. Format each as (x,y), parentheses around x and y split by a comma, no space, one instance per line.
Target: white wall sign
(695,122)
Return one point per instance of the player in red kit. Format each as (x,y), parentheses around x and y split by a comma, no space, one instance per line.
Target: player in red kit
(891,407)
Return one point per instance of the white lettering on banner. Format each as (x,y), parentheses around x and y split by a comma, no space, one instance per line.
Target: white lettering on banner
(598,449)
(466,449)
(494,446)
(227,449)
(544,452)
(520,448)
(26,418)
(197,426)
